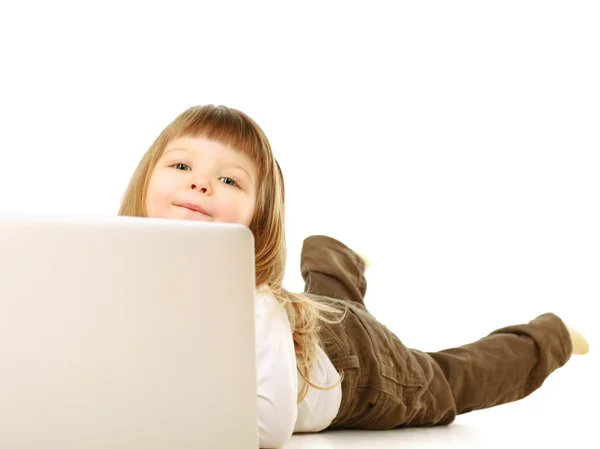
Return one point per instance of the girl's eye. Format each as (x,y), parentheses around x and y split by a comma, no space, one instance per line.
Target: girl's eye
(229,181)
(181,166)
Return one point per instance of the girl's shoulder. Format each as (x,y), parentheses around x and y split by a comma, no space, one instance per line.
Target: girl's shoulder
(267,307)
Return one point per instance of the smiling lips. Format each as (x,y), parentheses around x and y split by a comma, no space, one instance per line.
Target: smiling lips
(194,208)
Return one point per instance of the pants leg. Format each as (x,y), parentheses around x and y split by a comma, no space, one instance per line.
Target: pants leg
(331,269)
(395,386)
(507,365)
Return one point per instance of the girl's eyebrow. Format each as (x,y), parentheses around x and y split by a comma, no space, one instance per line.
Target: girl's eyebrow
(174,149)
(245,171)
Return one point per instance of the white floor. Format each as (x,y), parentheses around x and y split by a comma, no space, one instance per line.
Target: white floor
(562,413)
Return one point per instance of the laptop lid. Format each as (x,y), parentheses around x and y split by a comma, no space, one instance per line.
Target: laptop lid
(126,333)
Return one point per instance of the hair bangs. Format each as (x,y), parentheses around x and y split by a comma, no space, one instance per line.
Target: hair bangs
(227,126)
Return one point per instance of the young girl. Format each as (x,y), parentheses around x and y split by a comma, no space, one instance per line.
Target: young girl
(322,360)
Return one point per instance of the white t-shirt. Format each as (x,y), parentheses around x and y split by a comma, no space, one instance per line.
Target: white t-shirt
(279,414)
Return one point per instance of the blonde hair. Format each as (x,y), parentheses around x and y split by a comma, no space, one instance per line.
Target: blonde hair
(237,130)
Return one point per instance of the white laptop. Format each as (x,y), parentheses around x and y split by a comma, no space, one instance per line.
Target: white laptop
(126,333)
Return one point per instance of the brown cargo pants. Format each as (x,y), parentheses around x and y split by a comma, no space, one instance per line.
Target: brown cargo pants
(387,385)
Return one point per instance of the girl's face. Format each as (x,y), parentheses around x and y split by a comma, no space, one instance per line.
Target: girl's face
(201,179)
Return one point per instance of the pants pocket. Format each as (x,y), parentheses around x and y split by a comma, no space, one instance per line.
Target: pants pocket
(402,373)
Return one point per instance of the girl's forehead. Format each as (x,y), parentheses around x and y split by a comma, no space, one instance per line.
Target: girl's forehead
(193,142)
(201,145)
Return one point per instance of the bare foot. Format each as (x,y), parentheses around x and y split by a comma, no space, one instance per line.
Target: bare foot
(580,344)
(364,258)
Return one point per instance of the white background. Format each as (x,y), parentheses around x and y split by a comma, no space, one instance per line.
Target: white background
(454,143)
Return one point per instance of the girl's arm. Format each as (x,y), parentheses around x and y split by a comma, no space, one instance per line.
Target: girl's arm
(277,375)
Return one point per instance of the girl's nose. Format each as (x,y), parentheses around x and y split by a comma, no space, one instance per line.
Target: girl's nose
(200,189)
(201,186)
